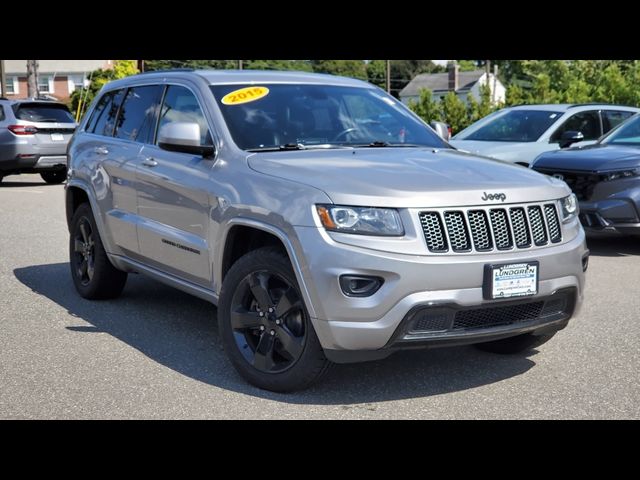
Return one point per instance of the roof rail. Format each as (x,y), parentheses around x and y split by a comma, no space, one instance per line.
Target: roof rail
(169,70)
(596,103)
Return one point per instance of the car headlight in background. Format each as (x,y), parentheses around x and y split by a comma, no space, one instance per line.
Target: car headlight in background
(361,220)
(570,206)
(632,172)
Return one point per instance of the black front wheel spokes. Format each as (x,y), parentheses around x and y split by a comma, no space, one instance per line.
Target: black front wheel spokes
(268,322)
(83,246)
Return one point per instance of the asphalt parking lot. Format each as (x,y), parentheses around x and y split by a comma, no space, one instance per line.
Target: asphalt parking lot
(154,352)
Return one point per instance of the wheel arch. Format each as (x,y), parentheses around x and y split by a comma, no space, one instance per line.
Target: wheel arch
(243,235)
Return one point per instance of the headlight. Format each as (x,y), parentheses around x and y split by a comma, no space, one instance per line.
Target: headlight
(361,220)
(632,172)
(569,206)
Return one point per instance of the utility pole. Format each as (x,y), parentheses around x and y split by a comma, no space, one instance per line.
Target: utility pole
(3,79)
(239,64)
(32,78)
(388,75)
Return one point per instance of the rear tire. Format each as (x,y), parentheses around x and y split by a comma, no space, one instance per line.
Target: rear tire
(514,345)
(264,325)
(54,177)
(93,275)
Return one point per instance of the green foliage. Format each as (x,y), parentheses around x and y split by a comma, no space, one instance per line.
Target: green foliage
(467,65)
(84,96)
(346,68)
(454,112)
(377,73)
(426,108)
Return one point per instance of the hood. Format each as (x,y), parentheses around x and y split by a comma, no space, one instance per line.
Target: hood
(408,177)
(593,158)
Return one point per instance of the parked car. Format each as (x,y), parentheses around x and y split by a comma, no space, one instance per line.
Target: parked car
(605,178)
(34,134)
(324,218)
(519,134)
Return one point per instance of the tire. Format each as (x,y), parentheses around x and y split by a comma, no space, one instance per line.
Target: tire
(1,178)
(54,177)
(514,345)
(94,276)
(279,350)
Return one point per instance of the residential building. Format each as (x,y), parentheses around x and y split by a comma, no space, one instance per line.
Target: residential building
(56,78)
(462,83)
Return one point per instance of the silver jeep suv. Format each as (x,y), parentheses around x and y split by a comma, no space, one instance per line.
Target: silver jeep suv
(325,220)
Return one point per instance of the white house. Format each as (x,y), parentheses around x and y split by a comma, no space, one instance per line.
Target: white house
(462,83)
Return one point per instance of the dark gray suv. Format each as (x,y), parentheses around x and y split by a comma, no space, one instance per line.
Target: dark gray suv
(34,135)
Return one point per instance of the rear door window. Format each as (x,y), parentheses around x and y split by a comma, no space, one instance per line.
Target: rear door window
(103,118)
(43,113)
(613,118)
(586,122)
(137,118)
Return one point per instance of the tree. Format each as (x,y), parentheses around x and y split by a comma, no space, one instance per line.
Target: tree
(168,64)
(377,73)
(346,68)
(426,107)
(83,97)
(294,65)
(403,71)
(454,112)
(467,65)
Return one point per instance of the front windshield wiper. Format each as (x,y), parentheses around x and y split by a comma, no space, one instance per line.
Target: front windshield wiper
(277,148)
(382,144)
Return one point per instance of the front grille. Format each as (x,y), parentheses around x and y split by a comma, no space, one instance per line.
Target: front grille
(580,183)
(431,321)
(553,223)
(493,317)
(489,229)
(458,233)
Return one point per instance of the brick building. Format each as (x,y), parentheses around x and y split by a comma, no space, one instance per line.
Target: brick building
(56,78)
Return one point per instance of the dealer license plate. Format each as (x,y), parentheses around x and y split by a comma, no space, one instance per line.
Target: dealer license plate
(57,137)
(511,280)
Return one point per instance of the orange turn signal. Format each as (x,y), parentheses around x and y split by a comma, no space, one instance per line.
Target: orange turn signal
(325,217)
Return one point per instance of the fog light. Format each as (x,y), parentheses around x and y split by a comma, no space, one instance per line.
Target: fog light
(360,285)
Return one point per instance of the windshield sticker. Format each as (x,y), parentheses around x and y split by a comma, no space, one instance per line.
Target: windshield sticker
(553,115)
(245,95)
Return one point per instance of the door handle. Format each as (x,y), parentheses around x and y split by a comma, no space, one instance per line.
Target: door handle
(149,162)
(101,150)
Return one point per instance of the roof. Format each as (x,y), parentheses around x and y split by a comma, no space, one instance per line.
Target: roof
(214,77)
(440,82)
(19,67)
(563,107)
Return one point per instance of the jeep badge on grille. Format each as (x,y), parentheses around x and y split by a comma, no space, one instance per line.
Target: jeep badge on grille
(494,196)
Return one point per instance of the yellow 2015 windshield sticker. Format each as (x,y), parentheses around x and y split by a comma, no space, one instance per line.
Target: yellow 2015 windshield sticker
(245,95)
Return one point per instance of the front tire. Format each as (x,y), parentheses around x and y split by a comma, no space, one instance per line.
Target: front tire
(54,177)
(514,345)
(264,325)
(94,277)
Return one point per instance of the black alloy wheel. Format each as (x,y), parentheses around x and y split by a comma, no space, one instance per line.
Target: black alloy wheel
(84,252)
(268,322)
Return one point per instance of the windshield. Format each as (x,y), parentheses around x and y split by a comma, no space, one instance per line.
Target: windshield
(268,116)
(44,112)
(628,133)
(511,126)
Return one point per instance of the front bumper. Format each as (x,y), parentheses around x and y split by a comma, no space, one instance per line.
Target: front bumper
(611,215)
(415,281)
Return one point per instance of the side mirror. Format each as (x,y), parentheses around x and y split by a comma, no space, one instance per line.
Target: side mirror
(442,129)
(570,137)
(183,137)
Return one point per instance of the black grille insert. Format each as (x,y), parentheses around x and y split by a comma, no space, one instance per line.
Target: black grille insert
(457,230)
(495,316)
(433,231)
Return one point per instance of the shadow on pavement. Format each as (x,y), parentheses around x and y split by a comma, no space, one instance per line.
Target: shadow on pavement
(179,332)
(8,184)
(614,246)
